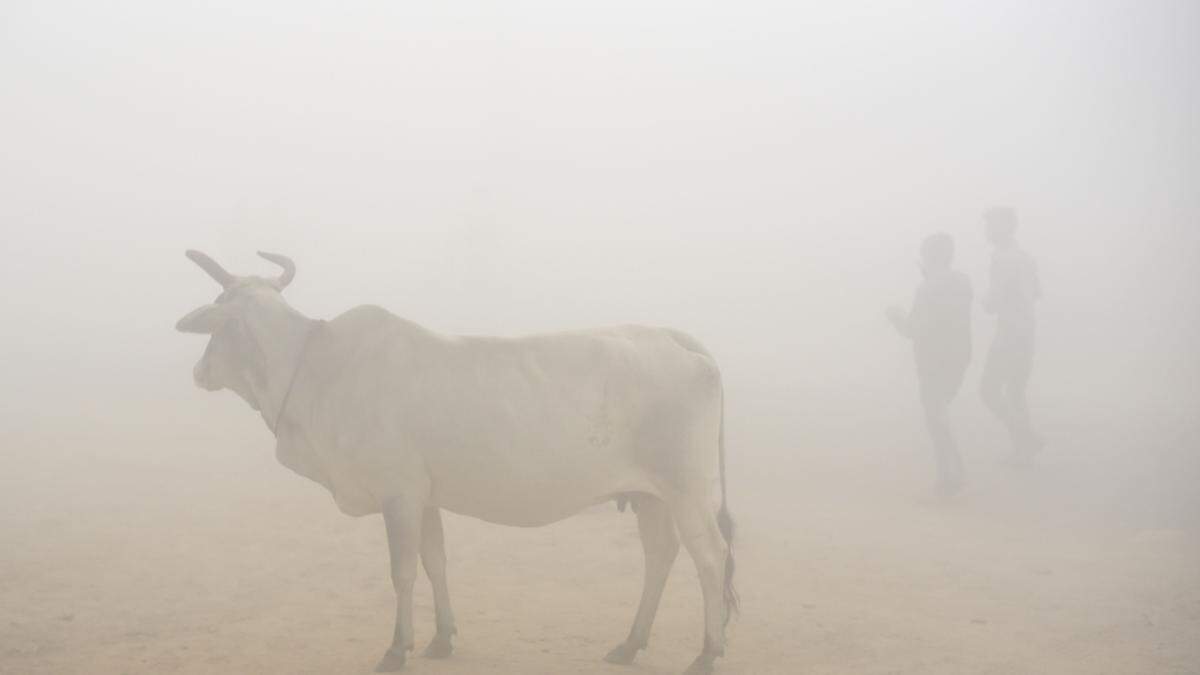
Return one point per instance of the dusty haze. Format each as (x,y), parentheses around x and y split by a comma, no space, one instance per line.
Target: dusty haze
(760,176)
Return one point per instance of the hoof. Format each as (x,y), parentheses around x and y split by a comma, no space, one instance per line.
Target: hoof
(440,648)
(392,661)
(623,654)
(701,666)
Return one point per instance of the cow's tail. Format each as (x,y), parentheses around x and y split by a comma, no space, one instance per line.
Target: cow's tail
(725,524)
(724,520)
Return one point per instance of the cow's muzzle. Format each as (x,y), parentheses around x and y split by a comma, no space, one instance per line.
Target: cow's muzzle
(202,377)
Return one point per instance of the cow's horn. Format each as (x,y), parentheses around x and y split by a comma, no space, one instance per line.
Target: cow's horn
(214,270)
(289,268)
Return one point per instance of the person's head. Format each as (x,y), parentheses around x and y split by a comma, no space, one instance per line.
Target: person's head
(1000,224)
(937,252)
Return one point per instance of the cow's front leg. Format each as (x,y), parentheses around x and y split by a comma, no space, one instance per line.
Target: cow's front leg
(433,557)
(402,518)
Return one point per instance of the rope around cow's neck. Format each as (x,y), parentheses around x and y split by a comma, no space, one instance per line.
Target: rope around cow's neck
(295,372)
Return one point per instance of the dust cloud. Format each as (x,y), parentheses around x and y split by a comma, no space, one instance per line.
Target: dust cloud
(759,175)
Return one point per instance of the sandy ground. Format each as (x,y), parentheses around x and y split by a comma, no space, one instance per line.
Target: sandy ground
(199,557)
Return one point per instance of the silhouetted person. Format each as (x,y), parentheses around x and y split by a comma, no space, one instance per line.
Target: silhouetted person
(939,325)
(1012,292)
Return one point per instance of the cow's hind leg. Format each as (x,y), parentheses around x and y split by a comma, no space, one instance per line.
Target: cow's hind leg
(433,557)
(660,546)
(701,535)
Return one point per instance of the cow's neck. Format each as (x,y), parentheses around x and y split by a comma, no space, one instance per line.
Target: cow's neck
(282,340)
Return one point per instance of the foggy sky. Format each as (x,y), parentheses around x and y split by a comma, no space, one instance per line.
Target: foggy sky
(759,176)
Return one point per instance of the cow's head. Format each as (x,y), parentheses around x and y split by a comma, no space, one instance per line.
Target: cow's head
(243,321)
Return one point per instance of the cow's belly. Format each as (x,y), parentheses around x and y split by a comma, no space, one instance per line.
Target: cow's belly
(534,455)
(517,512)
(532,489)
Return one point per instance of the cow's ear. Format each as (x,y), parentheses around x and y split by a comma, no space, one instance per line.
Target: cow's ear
(204,319)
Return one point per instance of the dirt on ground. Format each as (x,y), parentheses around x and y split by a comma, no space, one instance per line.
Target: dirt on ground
(198,557)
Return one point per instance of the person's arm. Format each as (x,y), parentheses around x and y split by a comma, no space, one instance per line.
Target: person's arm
(899,319)
(906,323)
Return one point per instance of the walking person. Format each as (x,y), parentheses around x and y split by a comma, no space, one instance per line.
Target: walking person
(1014,289)
(939,325)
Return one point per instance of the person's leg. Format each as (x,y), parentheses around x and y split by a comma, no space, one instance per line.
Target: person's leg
(1025,441)
(1003,389)
(991,385)
(937,422)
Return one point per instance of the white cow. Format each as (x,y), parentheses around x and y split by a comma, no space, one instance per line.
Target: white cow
(396,419)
